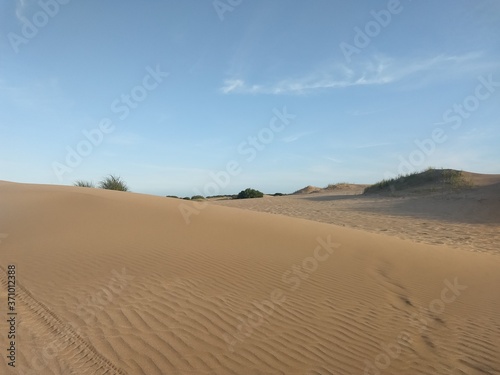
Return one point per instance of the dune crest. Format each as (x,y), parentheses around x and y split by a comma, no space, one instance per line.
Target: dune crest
(117,283)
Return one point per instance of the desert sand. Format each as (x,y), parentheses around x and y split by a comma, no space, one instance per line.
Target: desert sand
(118,283)
(466,219)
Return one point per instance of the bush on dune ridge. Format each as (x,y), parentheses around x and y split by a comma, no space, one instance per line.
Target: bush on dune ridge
(111,182)
(445,177)
(249,193)
(82,183)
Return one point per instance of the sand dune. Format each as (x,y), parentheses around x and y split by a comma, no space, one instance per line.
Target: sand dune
(465,218)
(118,283)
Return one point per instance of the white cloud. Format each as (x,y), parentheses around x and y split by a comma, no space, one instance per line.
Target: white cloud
(335,160)
(295,137)
(232,85)
(380,70)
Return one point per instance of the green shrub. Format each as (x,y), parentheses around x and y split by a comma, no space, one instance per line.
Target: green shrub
(82,183)
(445,178)
(197,197)
(249,193)
(338,185)
(456,179)
(113,183)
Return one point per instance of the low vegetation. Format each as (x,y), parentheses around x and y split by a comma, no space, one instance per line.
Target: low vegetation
(249,193)
(308,190)
(336,186)
(111,182)
(432,179)
(82,183)
(222,196)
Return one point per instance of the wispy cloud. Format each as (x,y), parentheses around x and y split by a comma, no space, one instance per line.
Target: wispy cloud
(295,137)
(380,70)
(332,159)
(232,85)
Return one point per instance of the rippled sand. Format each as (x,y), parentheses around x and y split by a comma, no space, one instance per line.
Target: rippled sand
(119,283)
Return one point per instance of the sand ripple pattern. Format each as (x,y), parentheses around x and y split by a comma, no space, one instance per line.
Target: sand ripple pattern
(39,327)
(163,297)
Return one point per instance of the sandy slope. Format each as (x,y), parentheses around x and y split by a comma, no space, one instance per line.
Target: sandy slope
(466,219)
(118,283)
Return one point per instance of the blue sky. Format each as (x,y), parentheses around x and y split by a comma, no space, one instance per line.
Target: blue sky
(179,87)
